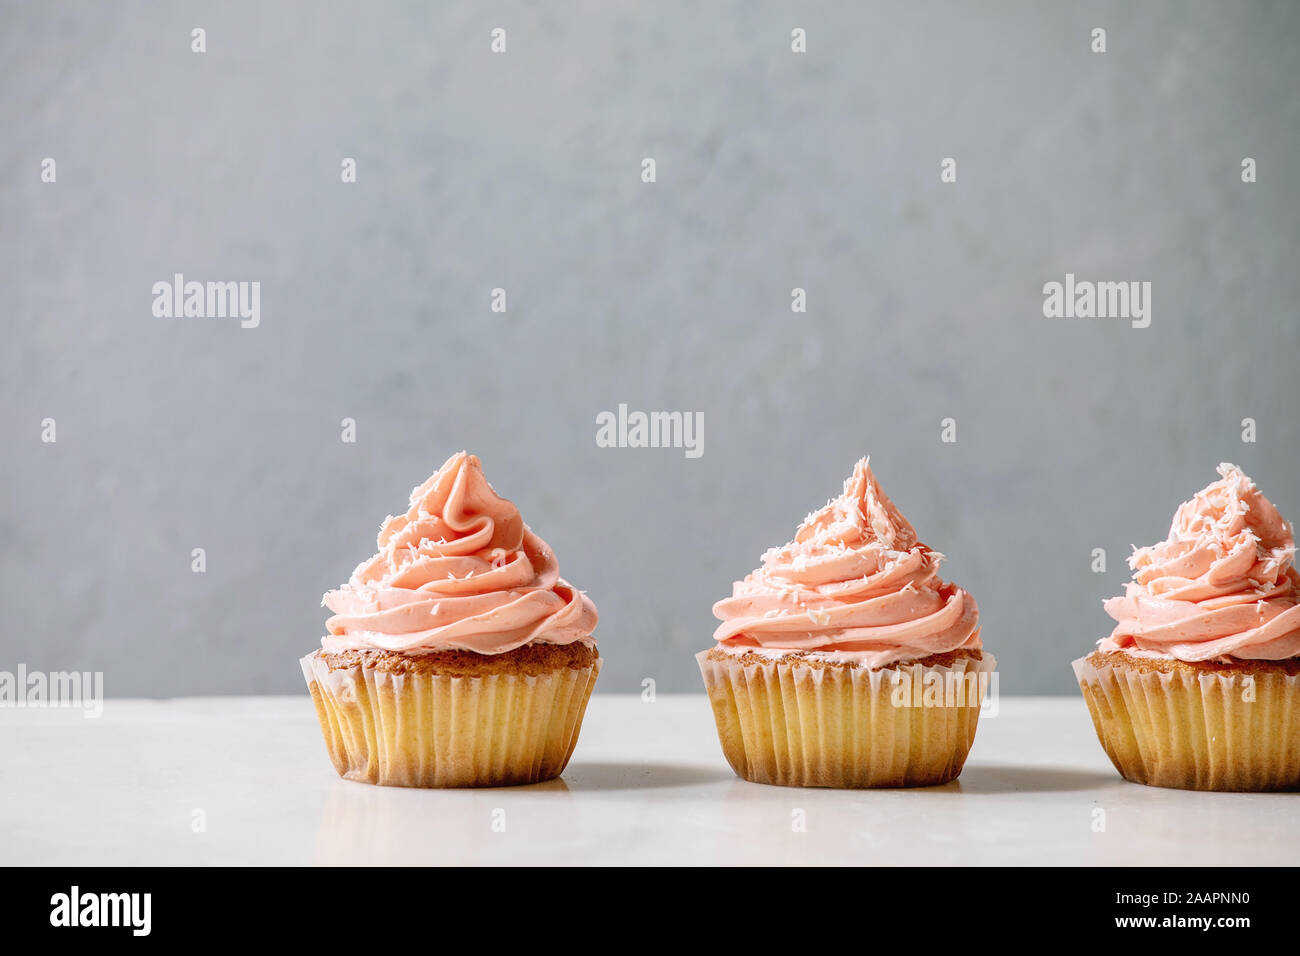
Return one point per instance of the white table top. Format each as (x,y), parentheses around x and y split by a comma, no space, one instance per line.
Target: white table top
(647,785)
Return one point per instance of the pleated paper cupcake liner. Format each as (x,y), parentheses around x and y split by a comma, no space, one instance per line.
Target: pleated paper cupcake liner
(432,730)
(1207,731)
(792,724)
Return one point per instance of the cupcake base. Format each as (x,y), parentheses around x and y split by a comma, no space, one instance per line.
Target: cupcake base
(455,718)
(1196,726)
(800,720)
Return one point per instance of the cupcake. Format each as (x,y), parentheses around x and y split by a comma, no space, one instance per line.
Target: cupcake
(1198,685)
(457,656)
(844,660)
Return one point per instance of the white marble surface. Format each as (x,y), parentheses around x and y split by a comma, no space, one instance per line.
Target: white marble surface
(647,784)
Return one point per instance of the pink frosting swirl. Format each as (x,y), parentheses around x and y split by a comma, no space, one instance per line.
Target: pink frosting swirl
(855,582)
(1222,585)
(459,571)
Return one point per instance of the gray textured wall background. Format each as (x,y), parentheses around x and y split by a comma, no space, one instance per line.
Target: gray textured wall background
(523,171)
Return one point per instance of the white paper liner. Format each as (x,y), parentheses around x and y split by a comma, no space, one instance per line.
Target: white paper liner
(433,730)
(1207,731)
(793,724)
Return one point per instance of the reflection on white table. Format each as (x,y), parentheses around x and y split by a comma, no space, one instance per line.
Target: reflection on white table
(246,781)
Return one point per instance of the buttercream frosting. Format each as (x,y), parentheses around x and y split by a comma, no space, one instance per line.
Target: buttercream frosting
(855,584)
(458,571)
(1223,584)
